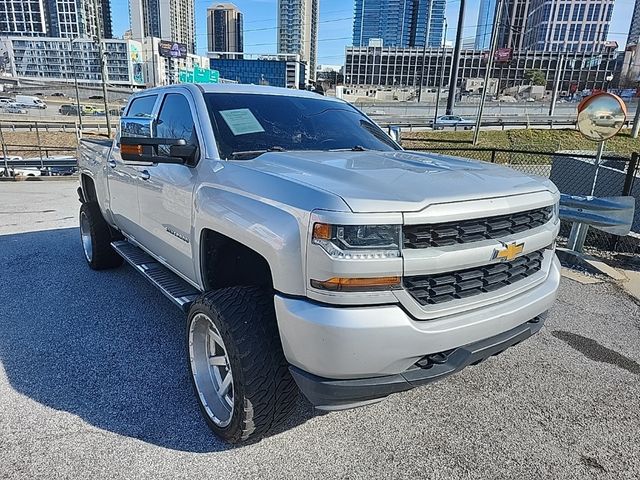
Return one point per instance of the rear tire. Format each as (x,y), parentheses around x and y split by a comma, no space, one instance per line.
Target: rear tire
(232,332)
(96,237)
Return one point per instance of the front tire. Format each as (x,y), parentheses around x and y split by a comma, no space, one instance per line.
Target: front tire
(96,237)
(238,368)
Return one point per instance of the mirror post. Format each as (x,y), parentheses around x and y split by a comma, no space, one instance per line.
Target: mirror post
(597,165)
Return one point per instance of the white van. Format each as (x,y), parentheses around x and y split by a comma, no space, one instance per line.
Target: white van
(29,101)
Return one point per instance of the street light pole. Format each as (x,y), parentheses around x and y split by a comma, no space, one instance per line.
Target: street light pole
(103,66)
(487,75)
(444,62)
(455,64)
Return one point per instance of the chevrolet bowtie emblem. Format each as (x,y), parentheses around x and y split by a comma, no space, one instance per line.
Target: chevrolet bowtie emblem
(508,251)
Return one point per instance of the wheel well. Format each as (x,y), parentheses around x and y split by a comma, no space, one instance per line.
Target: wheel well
(89,189)
(227,263)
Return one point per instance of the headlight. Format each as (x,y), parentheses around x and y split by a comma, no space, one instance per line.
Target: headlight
(358,242)
(556,211)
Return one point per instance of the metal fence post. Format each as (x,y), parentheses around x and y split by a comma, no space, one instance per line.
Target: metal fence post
(4,152)
(493,156)
(629,178)
(39,145)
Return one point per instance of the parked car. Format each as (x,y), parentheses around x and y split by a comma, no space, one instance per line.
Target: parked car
(14,108)
(5,101)
(57,94)
(311,252)
(452,121)
(58,171)
(96,97)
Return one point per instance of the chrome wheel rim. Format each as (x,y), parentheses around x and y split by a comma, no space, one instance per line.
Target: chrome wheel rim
(85,234)
(211,369)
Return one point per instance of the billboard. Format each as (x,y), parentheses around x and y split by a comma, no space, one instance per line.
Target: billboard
(503,55)
(136,63)
(172,49)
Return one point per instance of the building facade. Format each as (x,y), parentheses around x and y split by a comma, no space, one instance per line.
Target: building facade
(55,18)
(401,67)
(513,24)
(634,28)
(484,28)
(58,59)
(298,31)
(576,25)
(172,20)
(224,28)
(399,23)
(285,71)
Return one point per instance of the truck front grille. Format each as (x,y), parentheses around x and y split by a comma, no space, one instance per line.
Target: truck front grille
(474,230)
(445,287)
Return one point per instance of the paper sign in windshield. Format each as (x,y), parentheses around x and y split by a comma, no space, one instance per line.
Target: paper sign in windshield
(241,121)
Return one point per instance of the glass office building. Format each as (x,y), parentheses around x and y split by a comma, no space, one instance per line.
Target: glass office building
(399,23)
(484,29)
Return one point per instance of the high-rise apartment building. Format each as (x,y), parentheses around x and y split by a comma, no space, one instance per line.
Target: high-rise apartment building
(574,25)
(634,28)
(55,18)
(224,28)
(298,31)
(22,18)
(399,23)
(172,20)
(484,29)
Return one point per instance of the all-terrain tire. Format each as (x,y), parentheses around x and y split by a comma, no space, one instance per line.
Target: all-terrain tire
(264,390)
(95,230)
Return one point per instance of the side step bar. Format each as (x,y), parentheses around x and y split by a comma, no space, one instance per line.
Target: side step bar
(171,285)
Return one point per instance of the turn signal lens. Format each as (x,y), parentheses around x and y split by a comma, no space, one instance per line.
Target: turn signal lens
(338,284)
(131,149)
(321,231)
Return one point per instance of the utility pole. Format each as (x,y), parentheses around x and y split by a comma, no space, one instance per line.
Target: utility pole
(455,64)
(75,82)
(636,121)
(103,66)
(487,75)
(444,63)
(424,57)
(556,84)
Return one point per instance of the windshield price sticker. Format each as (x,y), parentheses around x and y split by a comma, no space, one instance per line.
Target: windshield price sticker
(241,121)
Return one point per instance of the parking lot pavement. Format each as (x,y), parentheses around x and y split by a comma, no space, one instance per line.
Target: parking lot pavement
(93,384)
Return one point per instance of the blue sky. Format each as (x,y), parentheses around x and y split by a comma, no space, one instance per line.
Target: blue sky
(336,17)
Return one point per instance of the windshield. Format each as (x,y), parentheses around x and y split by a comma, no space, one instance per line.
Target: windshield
(254,123)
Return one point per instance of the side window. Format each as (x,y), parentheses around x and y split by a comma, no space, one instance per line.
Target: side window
(142,106)
(175,121)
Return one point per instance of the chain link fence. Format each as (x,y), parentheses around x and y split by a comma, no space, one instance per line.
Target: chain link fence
(575,173)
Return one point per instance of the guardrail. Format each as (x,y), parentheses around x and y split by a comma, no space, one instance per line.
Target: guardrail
(500,122)
(610,214)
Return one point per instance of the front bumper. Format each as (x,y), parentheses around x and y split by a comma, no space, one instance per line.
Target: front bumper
(372,341)
(328,394)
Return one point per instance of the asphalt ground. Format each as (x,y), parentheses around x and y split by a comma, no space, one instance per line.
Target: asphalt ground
(93,384)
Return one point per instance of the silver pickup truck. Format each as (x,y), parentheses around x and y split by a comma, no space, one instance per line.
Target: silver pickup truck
(312,253)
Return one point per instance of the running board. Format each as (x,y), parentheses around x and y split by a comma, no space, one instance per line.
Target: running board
(175,288)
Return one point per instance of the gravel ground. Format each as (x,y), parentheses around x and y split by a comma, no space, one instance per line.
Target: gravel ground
(93,384)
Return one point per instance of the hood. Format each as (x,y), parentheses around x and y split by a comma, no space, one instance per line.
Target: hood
(395,181)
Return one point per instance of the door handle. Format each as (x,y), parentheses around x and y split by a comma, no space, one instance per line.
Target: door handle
(112,163)
(145,175)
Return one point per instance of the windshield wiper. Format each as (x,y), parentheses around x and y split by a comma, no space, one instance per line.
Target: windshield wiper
(255,153)
(355,148)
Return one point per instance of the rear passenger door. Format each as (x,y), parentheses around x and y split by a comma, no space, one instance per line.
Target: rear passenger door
(166,190)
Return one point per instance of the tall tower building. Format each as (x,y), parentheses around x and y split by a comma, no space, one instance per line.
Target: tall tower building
(634,28)
(298,31)
(224,28)
(399,23)
(55,18)
(172,20)
(484,29)
(513,23)
(573,26)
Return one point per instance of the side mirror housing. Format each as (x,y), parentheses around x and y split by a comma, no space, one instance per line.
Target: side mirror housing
(137,149)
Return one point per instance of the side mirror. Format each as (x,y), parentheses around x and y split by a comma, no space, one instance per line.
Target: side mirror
(140,149)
